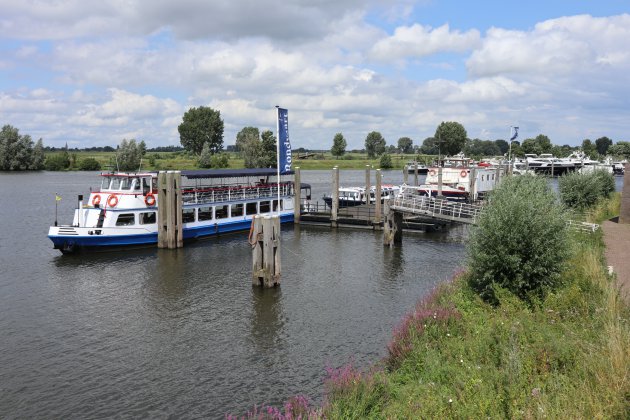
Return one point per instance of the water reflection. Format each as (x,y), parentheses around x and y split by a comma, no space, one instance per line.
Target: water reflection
(267,318)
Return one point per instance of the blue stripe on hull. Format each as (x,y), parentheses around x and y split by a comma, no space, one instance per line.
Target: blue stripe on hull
(74,243)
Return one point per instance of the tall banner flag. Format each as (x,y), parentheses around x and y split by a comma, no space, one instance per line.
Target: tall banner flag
(515,135)
(284,144)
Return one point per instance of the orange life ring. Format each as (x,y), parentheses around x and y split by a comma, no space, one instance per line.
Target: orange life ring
(149,200)
(112,200)
(96,200)
(463,173)
(432,172)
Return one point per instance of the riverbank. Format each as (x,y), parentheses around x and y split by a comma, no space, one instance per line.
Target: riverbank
(458,357)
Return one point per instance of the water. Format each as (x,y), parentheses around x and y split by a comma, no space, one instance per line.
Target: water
(182,333)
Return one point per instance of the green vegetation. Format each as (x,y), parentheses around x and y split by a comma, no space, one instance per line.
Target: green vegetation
(520,243)
(386,161)
(338,148)
(374,144)
(451,137)
(199,126)
(17,152)
(580,191)
(564,355)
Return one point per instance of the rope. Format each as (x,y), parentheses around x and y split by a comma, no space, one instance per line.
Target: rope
(251,231)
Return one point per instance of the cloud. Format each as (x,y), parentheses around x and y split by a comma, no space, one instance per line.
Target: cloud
(419,41)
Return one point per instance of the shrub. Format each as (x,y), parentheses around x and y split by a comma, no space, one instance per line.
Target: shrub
(89,164)
(579,191)
(521,241)
(57,162)
(386,161)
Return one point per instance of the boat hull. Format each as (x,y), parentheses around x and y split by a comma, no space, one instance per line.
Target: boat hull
(75,239)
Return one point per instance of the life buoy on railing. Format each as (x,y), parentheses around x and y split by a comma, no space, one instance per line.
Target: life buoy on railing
(463,173)
(149,200)
(112,200)
(96,200)
(432,172)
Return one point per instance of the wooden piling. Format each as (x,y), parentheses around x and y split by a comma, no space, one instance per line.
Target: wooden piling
(439,191)
(334,206)
(405,174)
(377,208)
(392,226)
(368,202)
(162,219)
(297,199)
(624,211)
(415,173)
(473,184)
(170,233)
(266,267)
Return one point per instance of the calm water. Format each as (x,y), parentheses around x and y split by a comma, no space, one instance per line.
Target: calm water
(182,333)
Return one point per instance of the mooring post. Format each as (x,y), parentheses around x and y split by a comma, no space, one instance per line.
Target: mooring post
(162,216)
(415,173)
(552,168)
(266,268)
(624,211)
(439,191)
(178,202)
(334,205)
(377,208)
(405,174)
(367,185)
(473,184)
(498,176)
(392,226)
(297,198)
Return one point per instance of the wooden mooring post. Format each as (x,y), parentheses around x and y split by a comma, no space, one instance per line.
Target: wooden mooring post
(377,202)
(405,174)
(392,226)
(170,233)
(367,186)
(297,198)
(334,205)
(265,241)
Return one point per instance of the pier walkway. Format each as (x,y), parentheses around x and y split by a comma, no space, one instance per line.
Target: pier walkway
(617,240)
(445,210)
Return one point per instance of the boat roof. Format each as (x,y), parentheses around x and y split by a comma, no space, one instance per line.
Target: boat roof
(231,173)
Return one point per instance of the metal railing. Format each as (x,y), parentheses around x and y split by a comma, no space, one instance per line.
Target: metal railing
(583,226)
(235,193)
(440,209)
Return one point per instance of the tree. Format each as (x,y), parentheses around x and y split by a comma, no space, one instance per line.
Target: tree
(429,146)
(621,149)
(504,146)
(129,155)
(480,148)
(201,125)
(269,151)
(205,159)
(588,148)
(405,145)
(17,152)
(252,150)
(602,144)
(89,164)
(246,134)
(386,161)
(339,145)
(374,144)
(538,145)
(451,137)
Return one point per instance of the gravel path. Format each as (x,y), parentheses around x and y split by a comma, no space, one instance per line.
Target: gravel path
(617,240)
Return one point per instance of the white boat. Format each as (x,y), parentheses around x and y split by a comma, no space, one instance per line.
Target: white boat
(355,196)
(422,169)
(124,211)
(464,182)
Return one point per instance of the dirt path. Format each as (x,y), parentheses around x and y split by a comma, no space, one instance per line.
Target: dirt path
(617,240)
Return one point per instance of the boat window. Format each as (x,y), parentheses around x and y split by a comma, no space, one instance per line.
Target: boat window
(250,208)
(125,219)
(275,205)
(237,210)
(146,186)
(125,184)
(136,184)
(154,184)
(221,212)
(264,207)
(115,184)
(188,215)
(105,183)
(204,213)
(147,218)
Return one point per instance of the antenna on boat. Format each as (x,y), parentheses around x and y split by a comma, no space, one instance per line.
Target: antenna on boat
(140,166)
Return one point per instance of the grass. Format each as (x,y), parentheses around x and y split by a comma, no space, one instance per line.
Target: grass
(454,356)
(181,160)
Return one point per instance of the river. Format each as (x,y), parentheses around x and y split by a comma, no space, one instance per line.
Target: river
(182,333)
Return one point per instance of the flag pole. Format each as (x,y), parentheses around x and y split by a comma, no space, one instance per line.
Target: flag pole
(56,201)
(278,155)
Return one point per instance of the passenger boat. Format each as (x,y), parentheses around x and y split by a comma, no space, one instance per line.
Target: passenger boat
(461,182)
(355,196)
(422,169)
(124,211)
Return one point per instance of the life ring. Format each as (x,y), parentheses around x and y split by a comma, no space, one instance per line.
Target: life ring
(112,200)
(463,173)
(149,200)
(432,172)
(96,200)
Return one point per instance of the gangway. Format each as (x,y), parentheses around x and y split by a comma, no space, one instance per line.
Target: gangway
(436,208)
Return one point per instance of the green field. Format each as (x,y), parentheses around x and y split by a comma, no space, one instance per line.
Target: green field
(154,161)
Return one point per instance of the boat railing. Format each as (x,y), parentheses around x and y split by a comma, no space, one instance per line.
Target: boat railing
(201,195)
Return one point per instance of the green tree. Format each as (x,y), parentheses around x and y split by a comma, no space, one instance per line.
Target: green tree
(17,152)
(220,160)
(246,134)
(38,155)
(520,242)
(374,144)
(128,155)
(602,144)
(386,161)
(429,146)
(588,148)
(201,125)
(481,148)
(339,145)
(503,146)
(538,145)
(205,159)
(620,149)
(269,152)
(89,164)
(451,137)
(405,145)
(251,151)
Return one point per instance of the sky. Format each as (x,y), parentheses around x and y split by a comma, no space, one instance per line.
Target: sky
(92,73)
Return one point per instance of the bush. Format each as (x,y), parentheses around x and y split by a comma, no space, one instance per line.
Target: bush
(386,161)
(89,164)
(521,241)
(57,162)
(579,191)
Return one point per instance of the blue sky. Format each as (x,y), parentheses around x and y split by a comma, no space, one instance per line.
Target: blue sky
(91,73)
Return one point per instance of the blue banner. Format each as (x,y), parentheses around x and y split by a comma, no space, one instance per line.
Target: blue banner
(285,158)
(515,135)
